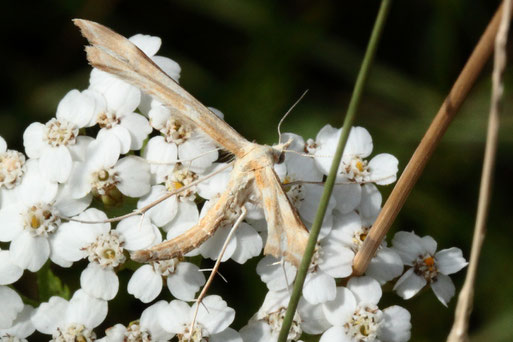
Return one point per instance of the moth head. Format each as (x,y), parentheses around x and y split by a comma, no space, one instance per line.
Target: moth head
(279,151)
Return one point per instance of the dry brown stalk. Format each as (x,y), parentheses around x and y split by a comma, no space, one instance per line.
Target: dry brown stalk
(459,331)
(429,142)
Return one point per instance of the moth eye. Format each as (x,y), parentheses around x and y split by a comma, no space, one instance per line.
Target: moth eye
(281,158)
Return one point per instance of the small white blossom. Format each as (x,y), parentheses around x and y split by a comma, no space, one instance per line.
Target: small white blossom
(12,168)
(145,329)
(212,321)
(385,265)
(70,321)
(355,315)
(381,169)
(58,141)
(183,280)
(31,222)
(427,266)
(103,247)
(21,328)
(103,175)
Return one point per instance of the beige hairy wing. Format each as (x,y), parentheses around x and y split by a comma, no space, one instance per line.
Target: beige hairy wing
(287,235)
(113,53)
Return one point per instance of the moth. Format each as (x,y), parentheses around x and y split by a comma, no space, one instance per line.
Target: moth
(252,175)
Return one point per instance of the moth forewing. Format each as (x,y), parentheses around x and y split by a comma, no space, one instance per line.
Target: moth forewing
(115,54)
(287,235)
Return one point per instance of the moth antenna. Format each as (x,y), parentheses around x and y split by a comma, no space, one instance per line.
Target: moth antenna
(287,113)
(300,153)
(216,265)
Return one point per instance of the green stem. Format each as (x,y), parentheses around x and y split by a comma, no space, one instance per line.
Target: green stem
(330,181)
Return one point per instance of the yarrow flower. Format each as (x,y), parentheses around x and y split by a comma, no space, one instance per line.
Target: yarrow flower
(355,315)
(212,322)
(427,266)
(145,329)
(70,321)
(103,247)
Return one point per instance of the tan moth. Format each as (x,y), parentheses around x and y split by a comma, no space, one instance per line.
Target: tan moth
(252,174)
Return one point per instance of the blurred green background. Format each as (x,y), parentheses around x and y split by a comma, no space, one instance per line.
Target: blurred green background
(253,59)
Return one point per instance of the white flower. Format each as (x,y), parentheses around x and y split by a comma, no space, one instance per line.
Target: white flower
(179,139)
(351,232)
(145,329)
(381,169)
(31,222)
(245,244)
(21,328)
(428,267)
(183,279)
(106,176)
(12,167)
(266,324)
(305,197)
(58,141)
(11,306)
(331,259)
(355,315)
(70,321)
(103,247)
(212,321)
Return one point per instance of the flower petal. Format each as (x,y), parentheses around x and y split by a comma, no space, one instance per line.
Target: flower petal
(365,289)
(319,288)
(137,231)
(396,325)
(30,252)
(227,335)
(249,243)
(134,173)
(138,128)
(50,158)
(145,284)
(186,281)
(409,284)
(214,314)
(85,309)
(443,288)
(449,261)
(99,282)
(335,334)
(9,272)
(49,316)
(385,266)
(340,310)
(383,169)
(33,140)
(11,306)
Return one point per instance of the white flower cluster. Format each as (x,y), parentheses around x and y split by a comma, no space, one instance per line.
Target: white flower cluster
(54,205)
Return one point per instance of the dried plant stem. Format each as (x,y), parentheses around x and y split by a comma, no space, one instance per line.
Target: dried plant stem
(429,142)
(215,269)
(459,331)
(330,181)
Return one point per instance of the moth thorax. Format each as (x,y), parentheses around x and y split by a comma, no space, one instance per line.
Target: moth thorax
(12,168)
(60,133)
